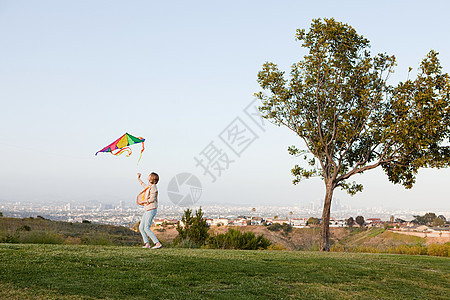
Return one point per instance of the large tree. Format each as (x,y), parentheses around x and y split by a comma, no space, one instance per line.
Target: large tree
(339,102)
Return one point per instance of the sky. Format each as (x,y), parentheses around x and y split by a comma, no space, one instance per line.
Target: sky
(76,75)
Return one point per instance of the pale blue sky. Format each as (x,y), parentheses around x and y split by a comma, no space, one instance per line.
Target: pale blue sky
(75,75)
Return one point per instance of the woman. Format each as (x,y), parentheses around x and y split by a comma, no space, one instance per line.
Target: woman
(150,203)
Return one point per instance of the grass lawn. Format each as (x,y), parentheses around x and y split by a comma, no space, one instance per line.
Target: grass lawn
(91,272)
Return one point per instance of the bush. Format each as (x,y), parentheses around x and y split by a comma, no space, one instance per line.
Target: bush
(277,246)
(194,231)
(360,221)
(24,228)
(417,249)
(313,221)
(96,239)
(72,241)
(287,228)
(186,243)
(439,250)
(235,239)
(41,237)
(9,238)
(275,227)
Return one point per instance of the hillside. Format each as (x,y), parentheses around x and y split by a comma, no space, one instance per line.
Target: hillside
(39,230)
(308,238)
(98,272)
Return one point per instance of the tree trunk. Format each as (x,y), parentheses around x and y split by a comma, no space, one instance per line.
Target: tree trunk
(325,235)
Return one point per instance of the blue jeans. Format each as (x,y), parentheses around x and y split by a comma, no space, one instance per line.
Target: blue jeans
(144,227)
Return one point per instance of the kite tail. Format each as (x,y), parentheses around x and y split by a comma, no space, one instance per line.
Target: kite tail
(143,148)
(126,149)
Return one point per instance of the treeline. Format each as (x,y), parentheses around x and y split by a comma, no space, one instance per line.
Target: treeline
(430,219)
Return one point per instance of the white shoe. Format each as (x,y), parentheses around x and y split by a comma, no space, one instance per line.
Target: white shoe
(146,246)
(156,247)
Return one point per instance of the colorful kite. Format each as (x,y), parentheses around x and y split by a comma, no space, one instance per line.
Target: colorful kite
(121,145)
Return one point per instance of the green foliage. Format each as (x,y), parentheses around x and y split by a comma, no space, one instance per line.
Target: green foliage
(41,238)
(276,247)
(360,221)
(235,239)
(97,239)
(24,228)
(313,221)
(1,214)
(426,219)
(275,227)
(437,222)
(194,229)
(417,249)
(408,249)
(350,222)
(287,228)
(338,101)
(10,238)
(439,250)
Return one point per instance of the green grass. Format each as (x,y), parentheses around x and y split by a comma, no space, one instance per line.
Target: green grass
(91,272)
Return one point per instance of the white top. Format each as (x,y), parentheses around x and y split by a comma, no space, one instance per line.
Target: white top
(152,198)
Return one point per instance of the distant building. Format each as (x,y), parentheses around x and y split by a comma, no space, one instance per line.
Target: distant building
(256,221)
(299,222)
(280,221)
(374,222)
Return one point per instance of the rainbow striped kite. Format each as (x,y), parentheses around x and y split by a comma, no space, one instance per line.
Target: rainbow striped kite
(122,144)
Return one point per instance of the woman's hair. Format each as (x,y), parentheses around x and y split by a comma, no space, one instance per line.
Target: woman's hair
(154,178)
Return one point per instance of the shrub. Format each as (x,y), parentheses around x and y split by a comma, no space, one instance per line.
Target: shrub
(439,250)
(24,228)
(9,238)
(96,239)
(186,243)
(275,227)
(313,221)
(350,222)
(417,249)
(287,228)
(277,246)
(195,229)
(41,237)
(72,241)
(235,239)
(360,221)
